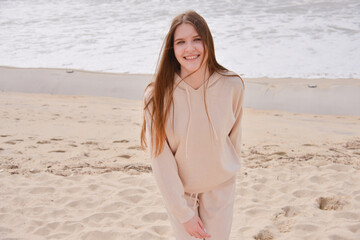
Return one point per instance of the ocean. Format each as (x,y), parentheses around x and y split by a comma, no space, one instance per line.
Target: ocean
(259,38)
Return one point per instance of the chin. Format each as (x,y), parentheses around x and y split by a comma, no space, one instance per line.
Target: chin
(192,69)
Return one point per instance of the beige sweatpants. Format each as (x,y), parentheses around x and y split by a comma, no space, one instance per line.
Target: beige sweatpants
(215,208)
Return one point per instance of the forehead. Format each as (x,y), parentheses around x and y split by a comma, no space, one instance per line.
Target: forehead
(185,30)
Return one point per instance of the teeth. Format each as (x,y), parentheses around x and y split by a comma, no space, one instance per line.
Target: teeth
(192,57)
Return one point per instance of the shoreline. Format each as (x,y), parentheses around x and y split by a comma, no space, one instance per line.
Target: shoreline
(303,95)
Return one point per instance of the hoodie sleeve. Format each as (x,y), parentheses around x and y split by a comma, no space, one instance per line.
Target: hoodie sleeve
(236,131)
(165,170)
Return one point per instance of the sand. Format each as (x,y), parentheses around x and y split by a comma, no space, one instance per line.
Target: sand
(72,168)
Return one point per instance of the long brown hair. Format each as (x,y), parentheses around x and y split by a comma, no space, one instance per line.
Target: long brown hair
(161,89)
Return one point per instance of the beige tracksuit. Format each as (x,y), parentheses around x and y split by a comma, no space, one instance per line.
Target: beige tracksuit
(196,169)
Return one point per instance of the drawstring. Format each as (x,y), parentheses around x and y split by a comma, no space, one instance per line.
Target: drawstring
(213,128)
(196,199)
(189,122)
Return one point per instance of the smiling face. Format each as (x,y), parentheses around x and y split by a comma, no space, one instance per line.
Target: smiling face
(189,48)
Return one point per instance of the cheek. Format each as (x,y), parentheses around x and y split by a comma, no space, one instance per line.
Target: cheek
(177,52)
(200,47)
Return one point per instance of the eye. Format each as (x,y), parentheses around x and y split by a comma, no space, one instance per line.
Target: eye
(197,39)
(179,42)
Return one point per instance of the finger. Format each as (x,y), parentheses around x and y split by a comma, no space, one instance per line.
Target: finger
(201,224)
(203,230)
(204,234)
(197,234)
(200,232)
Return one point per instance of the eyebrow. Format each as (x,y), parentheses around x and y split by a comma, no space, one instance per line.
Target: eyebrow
(179,39)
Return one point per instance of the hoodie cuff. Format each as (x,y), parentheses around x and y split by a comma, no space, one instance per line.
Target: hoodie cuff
(186,216)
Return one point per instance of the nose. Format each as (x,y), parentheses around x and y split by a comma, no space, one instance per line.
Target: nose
(190,47)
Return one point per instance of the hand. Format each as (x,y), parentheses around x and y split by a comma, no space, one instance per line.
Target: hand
(195,228)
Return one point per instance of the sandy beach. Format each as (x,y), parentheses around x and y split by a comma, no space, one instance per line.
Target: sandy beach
(72,166)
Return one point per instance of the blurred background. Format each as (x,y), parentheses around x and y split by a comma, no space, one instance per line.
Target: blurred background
(306,39)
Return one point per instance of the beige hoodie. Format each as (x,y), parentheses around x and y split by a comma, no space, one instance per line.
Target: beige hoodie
(199,154)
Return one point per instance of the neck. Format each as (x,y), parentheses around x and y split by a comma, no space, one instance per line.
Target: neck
(197,77)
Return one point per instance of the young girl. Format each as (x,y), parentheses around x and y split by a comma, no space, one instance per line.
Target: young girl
(192,125)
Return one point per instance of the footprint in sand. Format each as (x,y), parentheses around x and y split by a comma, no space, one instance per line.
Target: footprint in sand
(264,235)
(331,203)
(284,226)
(283,219)
(289,211)
(5,135)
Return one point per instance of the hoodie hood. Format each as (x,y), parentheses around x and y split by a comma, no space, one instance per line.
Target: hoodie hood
(183,85)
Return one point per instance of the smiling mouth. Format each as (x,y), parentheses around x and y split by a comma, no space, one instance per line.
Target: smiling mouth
(192,57)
